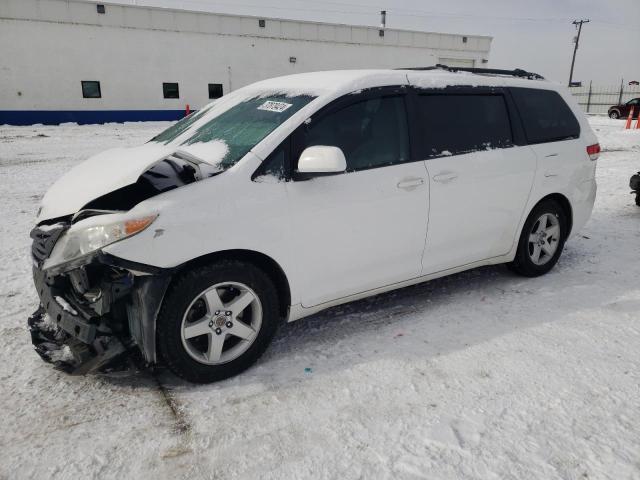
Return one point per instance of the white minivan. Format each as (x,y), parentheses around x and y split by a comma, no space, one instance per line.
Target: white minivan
(296,194)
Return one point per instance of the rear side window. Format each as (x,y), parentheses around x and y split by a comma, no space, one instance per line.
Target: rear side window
(371,133)
(545,115)
(451,124)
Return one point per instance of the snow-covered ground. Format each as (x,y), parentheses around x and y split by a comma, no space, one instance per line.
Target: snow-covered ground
(482,375)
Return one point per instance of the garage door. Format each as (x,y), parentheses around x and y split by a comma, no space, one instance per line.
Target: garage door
(457,62)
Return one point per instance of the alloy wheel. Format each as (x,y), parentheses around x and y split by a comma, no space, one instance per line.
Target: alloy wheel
(221,323)
(544,239)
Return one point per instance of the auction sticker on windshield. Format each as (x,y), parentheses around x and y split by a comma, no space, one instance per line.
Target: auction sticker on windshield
(272,106)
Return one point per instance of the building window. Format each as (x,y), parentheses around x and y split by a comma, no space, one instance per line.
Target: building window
(262,23)
(91,89)
(170,90)
(464,39)
(215,90)
(100,8)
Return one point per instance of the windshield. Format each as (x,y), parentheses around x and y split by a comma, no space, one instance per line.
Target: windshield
(227,137)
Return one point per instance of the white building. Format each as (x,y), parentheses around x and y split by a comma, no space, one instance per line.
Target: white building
(86,62)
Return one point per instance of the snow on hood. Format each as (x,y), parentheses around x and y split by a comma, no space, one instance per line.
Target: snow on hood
(99,175)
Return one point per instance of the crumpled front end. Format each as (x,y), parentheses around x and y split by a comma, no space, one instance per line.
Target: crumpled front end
(94,311)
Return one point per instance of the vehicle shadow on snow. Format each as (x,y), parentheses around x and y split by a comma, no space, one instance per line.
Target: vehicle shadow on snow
(418,323)
(314,338)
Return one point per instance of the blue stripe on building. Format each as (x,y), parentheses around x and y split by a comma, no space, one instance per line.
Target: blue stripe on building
(82,117)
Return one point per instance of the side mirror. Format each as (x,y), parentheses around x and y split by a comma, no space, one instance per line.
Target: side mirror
(320,160)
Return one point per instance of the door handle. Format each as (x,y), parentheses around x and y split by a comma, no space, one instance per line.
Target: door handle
(410,183)
(551,155)
(445,177)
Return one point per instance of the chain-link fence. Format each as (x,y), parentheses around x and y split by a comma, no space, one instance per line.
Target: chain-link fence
(598,99)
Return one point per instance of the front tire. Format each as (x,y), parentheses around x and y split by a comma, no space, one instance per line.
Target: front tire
(217,320)
(542,240)
(614,114)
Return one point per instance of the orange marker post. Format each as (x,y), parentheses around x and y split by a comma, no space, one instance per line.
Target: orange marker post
(629,118)
(187,111)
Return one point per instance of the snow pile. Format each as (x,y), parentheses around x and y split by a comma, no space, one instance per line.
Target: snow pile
(481,375)
(613,136)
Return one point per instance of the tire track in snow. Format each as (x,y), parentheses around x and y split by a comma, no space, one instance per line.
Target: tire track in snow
(181,424)
(182,428)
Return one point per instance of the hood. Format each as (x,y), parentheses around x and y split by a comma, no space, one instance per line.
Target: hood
(114,169)
(97,176)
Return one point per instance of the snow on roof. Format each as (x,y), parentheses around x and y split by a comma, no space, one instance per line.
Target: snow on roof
(320,83)
(345,81)
(443,78)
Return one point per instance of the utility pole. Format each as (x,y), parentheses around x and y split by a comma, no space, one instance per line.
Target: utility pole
(383,22)
(578,24)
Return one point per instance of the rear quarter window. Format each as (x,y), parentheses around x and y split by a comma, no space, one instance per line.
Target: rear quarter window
(546,117)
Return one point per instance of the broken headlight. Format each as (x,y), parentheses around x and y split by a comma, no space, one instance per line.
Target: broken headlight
(93,234)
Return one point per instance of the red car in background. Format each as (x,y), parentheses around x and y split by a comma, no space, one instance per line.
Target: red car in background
(622,111)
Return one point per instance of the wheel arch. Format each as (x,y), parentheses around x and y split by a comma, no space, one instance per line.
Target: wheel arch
(564,202)
(260,260)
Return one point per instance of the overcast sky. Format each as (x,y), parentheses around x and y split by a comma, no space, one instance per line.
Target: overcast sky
(536,35)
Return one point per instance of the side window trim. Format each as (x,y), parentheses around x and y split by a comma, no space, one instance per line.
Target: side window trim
(297,141)
(517,126)
(414,120)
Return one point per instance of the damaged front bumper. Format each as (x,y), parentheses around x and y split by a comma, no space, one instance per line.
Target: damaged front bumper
(94,312)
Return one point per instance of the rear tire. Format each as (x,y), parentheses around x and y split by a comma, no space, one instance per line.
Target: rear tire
(217,320)
(542,240)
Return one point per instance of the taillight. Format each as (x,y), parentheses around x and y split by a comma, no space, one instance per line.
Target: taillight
(593,151)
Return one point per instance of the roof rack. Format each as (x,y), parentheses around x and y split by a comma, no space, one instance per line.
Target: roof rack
(518,72)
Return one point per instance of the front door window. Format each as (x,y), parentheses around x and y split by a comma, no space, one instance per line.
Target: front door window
(371,133)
